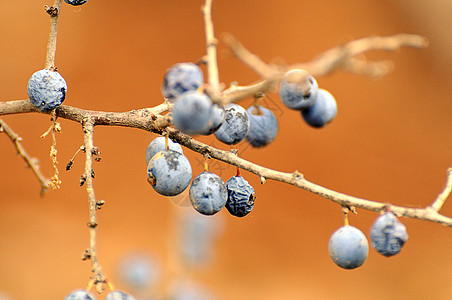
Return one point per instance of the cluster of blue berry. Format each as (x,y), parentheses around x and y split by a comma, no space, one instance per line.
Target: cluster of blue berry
(348,246)
(298,90)
(169,173)
(194,112)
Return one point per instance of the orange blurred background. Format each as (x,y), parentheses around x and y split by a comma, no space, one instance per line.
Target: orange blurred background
(391,142)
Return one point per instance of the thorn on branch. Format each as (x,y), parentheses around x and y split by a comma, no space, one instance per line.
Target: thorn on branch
(82,180)
(86,255)
(52,11)
(69,165)
(91,224)
(296,174)
(99,204)
(263,179)
(93,175)
(234,151)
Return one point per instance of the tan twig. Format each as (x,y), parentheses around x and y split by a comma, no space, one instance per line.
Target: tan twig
(141,119)
(439,201)
(31,162)
(338,58)
(214,88)
(98,278)
(298,180)
(54,12)
(54,127)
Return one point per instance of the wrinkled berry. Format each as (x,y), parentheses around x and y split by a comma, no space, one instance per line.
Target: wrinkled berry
(323,111)
(298,89)
(263,126)
(388,234)
(240,196)
(236,125)
(192,112)
(46,89)
(79,295)
(348,247)
(208,193)
(169,172)
(158,144)
(180,78)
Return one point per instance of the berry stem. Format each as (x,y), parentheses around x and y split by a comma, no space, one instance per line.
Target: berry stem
(238,171)
(345,211)
(206,163)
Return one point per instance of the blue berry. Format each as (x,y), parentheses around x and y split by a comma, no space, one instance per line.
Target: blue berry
(46,89)
(240,196)
(388,234)
(323,111)
(118,295)
(169,172)
(216,119)
(75,2)
(208,193)
(263,126)
(298,89)
(158,144)
(180,78)
(138,271)
(196,237)
(236,125)
(348,247)
(79,295)
(192,112)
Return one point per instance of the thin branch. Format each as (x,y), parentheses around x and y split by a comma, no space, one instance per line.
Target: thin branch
(338,58)
(141,119)
(343,57)
(298,180)
(98,278)
(439,201)
(146,118)
(31,162)
(211,45)
(54,128)
(54,12)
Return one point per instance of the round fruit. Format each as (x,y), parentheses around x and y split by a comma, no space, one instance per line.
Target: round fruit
(208,193)
(118,295)
(46,89)
(75,2)
(192,112)
(240,196)
(263,126)
(388,234)
(236,125)
(180,78)
(169,172)
(159,144)
(79,295)
(323,111)
(298,89)
(348,247)
(138,271)
(216,119)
